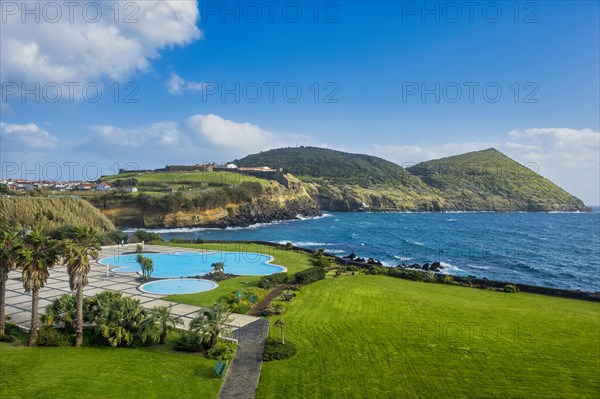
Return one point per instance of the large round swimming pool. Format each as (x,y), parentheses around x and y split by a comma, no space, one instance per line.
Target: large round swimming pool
(187,264)
(178,286)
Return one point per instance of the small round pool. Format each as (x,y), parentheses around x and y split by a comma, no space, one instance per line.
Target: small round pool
(187,264)
(178,286)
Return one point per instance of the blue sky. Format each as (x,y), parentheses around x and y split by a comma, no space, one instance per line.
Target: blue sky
(369,62)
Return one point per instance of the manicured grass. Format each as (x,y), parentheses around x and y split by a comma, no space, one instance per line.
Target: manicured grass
(294,261)
(104,373)
(380,337)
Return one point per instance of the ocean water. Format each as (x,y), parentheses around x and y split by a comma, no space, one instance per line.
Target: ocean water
(549,249)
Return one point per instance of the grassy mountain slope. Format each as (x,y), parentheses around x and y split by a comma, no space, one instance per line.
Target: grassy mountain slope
(48,214)
(341,181)
(489,180)
(321,164)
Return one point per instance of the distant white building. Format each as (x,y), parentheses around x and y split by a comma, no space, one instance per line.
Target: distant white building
(130,189)
(104,186)
(231,166)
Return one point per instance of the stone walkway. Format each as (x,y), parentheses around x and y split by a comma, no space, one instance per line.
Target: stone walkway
(242,377)
(18,303)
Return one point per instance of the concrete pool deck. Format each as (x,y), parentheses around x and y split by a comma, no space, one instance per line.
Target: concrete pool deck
(18,302)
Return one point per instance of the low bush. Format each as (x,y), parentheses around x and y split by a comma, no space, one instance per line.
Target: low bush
(272,280)
(310,275)
(52,337)
(511,288)
(11,333)
(275,350)
(147,236)
(224,350)
(319,259)
(191,342)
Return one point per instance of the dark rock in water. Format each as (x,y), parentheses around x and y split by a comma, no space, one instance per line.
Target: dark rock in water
(425,266)
(404,265)
(352,256)
(435,266)
(415,266)
(360,260)
(372,261)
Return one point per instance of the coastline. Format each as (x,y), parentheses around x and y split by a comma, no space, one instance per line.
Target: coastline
(473,281)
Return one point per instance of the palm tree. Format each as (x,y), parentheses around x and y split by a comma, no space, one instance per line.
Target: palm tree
(9,246)
(36,257)
(218,268)
(210,322)
(281,325)
(161,321)
(120,319)
(147,266)
(77,253)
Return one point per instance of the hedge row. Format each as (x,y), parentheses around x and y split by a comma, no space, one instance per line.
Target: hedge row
(310,275)
(273,280)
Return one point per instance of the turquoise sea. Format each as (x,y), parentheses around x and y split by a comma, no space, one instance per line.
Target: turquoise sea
(549,249)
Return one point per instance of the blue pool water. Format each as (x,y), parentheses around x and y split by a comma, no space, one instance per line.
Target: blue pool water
(188,264)
(178,286)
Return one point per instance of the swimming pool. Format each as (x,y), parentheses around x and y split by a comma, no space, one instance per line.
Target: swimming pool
(186,264)
(178,286)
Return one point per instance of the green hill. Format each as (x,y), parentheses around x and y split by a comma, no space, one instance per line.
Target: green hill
(489,180)
(321,164)
(49,214)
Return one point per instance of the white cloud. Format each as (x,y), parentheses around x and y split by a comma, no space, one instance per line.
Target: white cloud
(163,134)
(25,138)
(177,85)
(82,51)
(238,136)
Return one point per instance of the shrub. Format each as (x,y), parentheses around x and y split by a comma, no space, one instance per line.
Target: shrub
(272,280)
(319,259)
(224,350)
(273,310)
(62,312)
(511,288)
(287,296)
(177,240)
(53,337)
(11,333)
(147,236)
(191,342)
(289,246)
(310,275)
(378,270)
(275,350)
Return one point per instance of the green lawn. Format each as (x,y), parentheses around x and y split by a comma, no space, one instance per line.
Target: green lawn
(149,178)
(294,261)
(380,337)
(104,373)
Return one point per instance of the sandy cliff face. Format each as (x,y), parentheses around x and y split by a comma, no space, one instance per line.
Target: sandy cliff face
(275,202)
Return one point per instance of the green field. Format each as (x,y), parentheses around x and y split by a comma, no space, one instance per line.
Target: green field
(104,373)
(294,261)
(379,337)
(152,178)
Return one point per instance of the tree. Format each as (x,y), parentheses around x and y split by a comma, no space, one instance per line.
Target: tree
(281,325)
(36,257)
(77,253)
(9,246)
(210,322)
(147,266)
(159,322)
(218,268)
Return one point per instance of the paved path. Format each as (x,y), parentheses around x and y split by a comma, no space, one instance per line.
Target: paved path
(258,308)
(244,372)
(18,303)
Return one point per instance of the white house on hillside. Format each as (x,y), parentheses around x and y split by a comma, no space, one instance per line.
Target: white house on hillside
(104,186)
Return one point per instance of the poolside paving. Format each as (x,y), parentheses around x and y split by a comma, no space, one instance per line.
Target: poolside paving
(18,302)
